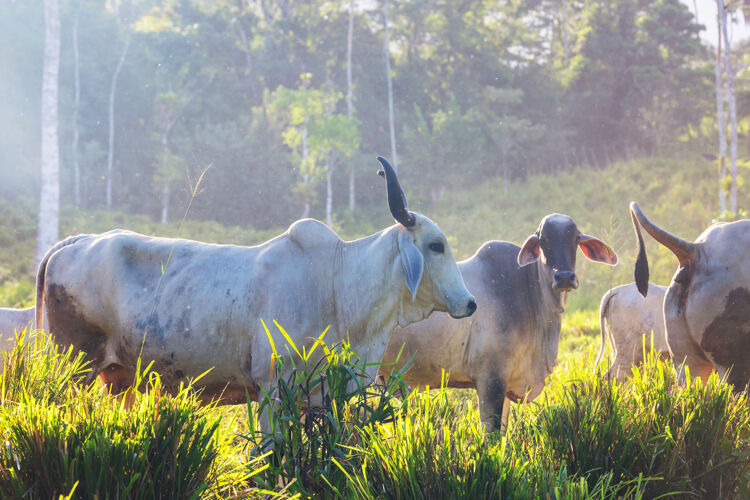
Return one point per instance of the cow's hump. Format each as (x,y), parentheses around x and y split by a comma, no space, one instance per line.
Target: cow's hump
(310,234)
(500,255)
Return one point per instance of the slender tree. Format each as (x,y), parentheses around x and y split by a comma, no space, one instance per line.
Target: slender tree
(49,201)
(248,60)
(330,165)
(76,106)
(387,56)
(564,27)
(721,121)
(111,114)
(349,108)
(731,98)
(166,114)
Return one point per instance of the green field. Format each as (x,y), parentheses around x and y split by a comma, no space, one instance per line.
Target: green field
(582,438)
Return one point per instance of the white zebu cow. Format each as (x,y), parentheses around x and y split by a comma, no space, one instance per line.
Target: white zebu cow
(707,305)
(506,350)
(625,317)
(105,295)
(11,321)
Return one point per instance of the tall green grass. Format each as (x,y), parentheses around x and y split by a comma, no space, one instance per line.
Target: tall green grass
(62,438)
(314,409)
(335,433)
(584,437)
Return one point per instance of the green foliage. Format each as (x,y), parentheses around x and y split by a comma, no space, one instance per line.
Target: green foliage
(692,439)
(496,92)
(63,438)
(18,294)
(313,410)
(316,134)
(581,322)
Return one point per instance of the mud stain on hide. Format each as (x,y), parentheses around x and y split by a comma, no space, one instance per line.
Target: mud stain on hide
(727,338)
(71,327)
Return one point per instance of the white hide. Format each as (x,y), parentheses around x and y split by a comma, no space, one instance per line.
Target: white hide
(625,317)
(12,321)
(197,307)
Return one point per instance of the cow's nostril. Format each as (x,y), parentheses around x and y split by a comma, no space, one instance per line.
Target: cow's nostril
(565,276)
(471,306)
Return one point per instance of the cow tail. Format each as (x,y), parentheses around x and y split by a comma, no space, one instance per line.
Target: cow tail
(41,272)
(603,324)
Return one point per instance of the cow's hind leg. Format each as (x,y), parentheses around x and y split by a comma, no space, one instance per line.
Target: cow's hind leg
(687,354)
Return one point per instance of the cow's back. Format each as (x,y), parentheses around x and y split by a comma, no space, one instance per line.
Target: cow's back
(13,321)
(633,314)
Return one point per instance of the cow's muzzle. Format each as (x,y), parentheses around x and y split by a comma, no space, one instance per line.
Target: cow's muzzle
(564,281)
(467,310)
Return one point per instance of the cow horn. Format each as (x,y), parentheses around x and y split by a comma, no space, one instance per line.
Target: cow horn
(683,250)
(396,197)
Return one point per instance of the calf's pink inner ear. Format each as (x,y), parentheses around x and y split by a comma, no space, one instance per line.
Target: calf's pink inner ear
(596,250)
(530,251)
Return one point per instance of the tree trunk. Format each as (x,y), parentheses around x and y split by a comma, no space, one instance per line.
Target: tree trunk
(349,107)
(732,108)
(76,105)
(248,61)
(387,55)
(564,23)
(329,191)
(504,156)
(111,149)
(721,123)
(49,200)
(165,186)
(267,14)
(305,176)
(165,201)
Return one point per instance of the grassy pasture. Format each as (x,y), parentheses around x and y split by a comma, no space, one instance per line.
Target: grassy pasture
(582,438)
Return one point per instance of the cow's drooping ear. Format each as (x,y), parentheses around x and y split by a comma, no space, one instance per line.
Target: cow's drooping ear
(596,250)
(530,251)
(412,262)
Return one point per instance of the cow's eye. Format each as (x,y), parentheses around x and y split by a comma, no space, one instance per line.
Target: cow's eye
(437,246)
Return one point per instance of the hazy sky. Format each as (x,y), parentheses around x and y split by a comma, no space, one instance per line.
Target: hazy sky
(738,30)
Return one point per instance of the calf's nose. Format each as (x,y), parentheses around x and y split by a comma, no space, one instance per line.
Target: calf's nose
(471,306)
(565,280)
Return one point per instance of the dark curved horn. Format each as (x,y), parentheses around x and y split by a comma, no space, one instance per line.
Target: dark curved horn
(396,197)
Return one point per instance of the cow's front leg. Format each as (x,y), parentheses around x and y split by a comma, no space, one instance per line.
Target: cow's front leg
(491,394)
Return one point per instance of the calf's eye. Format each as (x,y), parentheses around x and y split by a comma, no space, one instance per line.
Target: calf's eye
(437,246)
